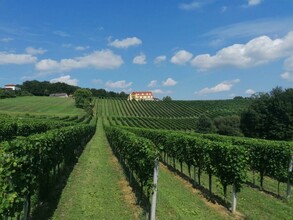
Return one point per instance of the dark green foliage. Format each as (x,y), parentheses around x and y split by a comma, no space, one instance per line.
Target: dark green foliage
(4,93)
(46,88)
(26,163)
(138,153)
(12,127)
(167,98)
(83,98)
(270,116)
(222,159)
(205,125)
(228,125)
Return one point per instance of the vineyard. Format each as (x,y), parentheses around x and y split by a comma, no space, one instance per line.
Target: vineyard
(35,149)
(245,178)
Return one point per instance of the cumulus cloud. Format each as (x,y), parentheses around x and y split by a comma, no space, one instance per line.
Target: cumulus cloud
(103,59)
(254,2)
(249,91)
(65,79)
(35,51)
(169,82)
(125,43)
(140,59)
(160,91)
(11,58)
(81,48)
(181,57)
(160,59)
(190,6)
(287,76)
(153,83)
(257,51)
(221,87)
(288,66)
(122,84)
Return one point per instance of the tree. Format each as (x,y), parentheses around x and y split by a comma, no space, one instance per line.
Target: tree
(167,98)
(205,125)
(228,125)
(83,98)
(270,115)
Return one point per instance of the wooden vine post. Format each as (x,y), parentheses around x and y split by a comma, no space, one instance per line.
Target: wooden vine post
(234,200)
(154,197)
(288,183)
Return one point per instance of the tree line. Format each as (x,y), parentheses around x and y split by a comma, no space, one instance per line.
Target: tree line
(270,116)
(46,88)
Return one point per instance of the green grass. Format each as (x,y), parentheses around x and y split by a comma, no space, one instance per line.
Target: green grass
(253,203)
(177,200)
(95,188)
(39,106)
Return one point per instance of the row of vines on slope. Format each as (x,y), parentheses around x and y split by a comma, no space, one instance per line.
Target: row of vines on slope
(27,163)
(173,109)
(138,155)
(229,161)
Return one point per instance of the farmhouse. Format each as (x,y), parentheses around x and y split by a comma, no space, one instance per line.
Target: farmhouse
(139,96)
(11,87)
(60,95)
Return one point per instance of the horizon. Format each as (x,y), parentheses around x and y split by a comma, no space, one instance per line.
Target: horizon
(188,50)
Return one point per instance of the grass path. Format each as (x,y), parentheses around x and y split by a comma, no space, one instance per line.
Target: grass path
(178,200)
(96,188)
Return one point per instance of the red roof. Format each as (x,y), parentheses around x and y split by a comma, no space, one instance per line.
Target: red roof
(10,85)
(140,92)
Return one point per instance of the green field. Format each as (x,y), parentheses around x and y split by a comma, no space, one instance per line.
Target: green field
(97,188)
(39,106)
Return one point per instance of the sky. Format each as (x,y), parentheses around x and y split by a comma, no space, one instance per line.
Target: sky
(187,49)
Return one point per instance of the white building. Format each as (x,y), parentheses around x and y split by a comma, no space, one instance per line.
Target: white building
(138,96)
(11,87)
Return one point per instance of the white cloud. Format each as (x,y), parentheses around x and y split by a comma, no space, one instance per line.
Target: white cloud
(287,76)
(181,57)
(61,34)
(249,91)
(6,39)
(160,59)
(254,2)
(288,66)
(159,91)
(153,83)
(65,79)
(125,43)
(10,58)
(221,87)
(103,59)
(190,6)
(140,59)
(122,84)
(81,48)
(35,51)
(257,51)
(169,82)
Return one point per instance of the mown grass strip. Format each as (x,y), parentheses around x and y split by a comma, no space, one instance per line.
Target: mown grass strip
(177,200)
(252,203)
(39,105)
(96,188)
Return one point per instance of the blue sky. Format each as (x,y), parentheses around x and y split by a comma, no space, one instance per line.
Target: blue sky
(191,50)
